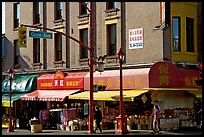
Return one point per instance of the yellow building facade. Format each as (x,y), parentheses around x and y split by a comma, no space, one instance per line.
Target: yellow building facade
(183,10)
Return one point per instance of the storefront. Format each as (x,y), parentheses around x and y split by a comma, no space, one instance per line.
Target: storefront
(174,88)
(21,85)
(50,98)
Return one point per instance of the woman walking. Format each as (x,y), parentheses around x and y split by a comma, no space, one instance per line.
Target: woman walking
(156,119)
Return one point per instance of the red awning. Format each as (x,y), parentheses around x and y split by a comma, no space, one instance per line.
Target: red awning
(132,79)
(48,95)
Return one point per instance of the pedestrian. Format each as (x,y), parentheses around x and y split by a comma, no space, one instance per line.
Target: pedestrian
(98,119)
(156,102)
(156,119)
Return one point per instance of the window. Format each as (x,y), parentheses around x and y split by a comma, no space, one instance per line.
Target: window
(111,39)
(82,9)
(83,39)
(58,10)
(189,35)
(16,15)
(36,12)
(16,52)
(36,50)
(176,34)
(110,5)
(58,47)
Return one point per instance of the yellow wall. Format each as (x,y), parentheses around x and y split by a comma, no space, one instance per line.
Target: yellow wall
(183,10)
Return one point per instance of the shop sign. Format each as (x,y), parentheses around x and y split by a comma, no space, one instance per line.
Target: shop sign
(136,38)
(166,74)
(59,79)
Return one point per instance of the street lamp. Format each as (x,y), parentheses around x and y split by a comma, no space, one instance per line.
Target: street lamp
(121,120)
(10,75)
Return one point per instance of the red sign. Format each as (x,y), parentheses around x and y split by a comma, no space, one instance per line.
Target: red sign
(61,80)
(166,74)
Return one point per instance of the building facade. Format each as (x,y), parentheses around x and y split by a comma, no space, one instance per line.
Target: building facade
(114,22)
(154,36)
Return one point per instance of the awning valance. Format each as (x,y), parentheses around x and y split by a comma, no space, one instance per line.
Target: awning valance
(48,95)
(128,95)
(21,83)
(6,98)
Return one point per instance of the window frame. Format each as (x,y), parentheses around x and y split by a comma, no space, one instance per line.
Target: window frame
(176,48)
(84,34)
(190,35)
(16,13)
(36,50)
(58,6)
(58,47)
(82,9)
(111,5)
(16,52)
(36,12)
(111,44)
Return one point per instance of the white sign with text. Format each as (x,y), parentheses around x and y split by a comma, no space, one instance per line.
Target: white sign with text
(136,38)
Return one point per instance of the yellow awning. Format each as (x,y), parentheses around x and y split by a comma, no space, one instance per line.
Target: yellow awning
(128,95)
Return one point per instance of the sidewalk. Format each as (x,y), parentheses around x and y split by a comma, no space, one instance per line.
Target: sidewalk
(105,132)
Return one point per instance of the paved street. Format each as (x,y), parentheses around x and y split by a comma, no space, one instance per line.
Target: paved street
(105,132)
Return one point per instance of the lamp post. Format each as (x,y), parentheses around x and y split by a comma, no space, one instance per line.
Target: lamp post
(121,120)
(10,75)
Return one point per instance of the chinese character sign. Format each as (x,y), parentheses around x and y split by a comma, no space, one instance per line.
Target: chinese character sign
(136,38)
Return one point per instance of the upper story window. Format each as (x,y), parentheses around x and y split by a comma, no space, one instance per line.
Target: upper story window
(84,39)
(36,12)
(16,14)
(36,50)
(110,5)
(58,10)
(16,52)
(58,47)
(111,39)
(82,9)
(190,34)
(176,34)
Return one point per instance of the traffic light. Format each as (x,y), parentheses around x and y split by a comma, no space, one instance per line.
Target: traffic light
(22,37)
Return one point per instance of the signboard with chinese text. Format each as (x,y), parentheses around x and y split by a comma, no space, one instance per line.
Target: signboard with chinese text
(136,38)
(167,75)
(61,80)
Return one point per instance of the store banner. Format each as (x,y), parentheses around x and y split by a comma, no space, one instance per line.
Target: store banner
(167,75)
(61,80)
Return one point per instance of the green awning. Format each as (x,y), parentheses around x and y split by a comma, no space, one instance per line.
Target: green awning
(20,84)
(6,98)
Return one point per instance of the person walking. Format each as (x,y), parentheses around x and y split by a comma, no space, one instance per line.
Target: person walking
(98,119)
(156,102)
(156,119)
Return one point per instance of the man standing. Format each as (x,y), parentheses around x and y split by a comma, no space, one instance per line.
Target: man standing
(98,118)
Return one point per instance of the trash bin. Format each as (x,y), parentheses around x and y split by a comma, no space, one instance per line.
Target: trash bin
(35,126)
